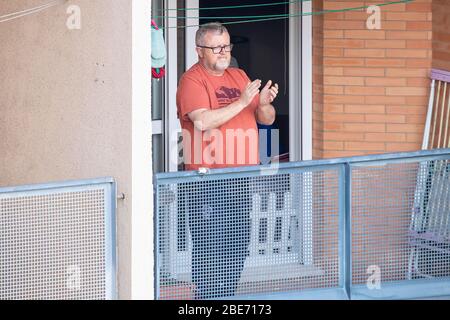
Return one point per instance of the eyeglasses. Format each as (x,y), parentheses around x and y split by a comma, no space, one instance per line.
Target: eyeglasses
(217,50)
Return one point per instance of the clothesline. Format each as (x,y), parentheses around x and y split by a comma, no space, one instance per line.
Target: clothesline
(26,12)
(240,6)
(276,17)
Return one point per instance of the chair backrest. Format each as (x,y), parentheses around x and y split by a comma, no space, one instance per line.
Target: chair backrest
(436,133)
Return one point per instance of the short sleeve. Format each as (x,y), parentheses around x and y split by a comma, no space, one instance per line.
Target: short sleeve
(244,76)
(191,95)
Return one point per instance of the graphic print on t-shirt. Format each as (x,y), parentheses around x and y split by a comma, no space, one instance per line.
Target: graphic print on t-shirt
(225,95)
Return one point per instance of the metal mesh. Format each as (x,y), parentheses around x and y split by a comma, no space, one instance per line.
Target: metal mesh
(52,244)
(221,237)
(400,221)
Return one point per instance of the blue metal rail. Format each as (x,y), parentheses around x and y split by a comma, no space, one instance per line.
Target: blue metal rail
(344,228)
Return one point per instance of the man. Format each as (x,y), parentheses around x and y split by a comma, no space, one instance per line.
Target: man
(218,108)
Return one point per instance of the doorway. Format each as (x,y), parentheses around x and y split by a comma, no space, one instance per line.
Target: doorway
(261,49)
(280,50)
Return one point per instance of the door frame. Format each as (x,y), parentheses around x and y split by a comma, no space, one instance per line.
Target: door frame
(171,123)
(300,91)
(300,80)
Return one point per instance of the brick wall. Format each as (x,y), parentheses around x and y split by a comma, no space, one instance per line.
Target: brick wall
(441,34)
(371,86)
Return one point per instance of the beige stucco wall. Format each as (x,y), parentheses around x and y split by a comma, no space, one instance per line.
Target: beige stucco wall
(65,101)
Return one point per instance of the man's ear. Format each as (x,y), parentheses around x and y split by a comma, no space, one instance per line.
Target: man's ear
(199,52)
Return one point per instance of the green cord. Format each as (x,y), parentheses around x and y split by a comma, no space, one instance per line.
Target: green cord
(237,7)
(284,16)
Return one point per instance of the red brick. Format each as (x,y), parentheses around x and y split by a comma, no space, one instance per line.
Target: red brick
(333,71)
(419,82)
(385,100)
(334,34)
(343,43)
(330,126)
(402,147)
(333,145)
(342,4)
(406,53)
(364,53)
(415,119)
(414,137)
(406,72)
(406,91)
(364,127)
(333,90)
(419,7)
(333,52)
(405,35)
(333,108)
(379,118)
(339,154)
(419,25)
(343,136)
(385,137)
(418,63)
(343,62)
(364,34)
(386,82)
(342,117)
(385,44)
(349,81)
(343,99)
(407,16)
(404,128)
(362,146)
(422,110)
(417,101)
(361,90)
(385,62)
(365,109)
(344,25)
(366,72)
(393,25)
(418,44)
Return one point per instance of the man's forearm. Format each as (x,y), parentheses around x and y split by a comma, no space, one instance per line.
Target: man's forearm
(212,119)
(265,114)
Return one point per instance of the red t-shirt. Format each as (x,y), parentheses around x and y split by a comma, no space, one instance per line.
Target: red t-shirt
(235,143)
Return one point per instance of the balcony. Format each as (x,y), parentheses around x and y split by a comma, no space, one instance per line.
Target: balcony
(372,227)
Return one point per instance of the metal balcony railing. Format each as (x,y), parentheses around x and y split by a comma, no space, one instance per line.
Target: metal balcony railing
(353,228)
(58,241)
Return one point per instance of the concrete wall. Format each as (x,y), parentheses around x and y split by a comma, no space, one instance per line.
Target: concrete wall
(441,34)
(65,107)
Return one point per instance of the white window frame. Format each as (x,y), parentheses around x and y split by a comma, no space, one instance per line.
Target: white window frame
(141,219)
(300,83)
(171,123)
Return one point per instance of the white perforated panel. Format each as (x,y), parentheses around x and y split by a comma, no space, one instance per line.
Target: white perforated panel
(247,236)
(53,243)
